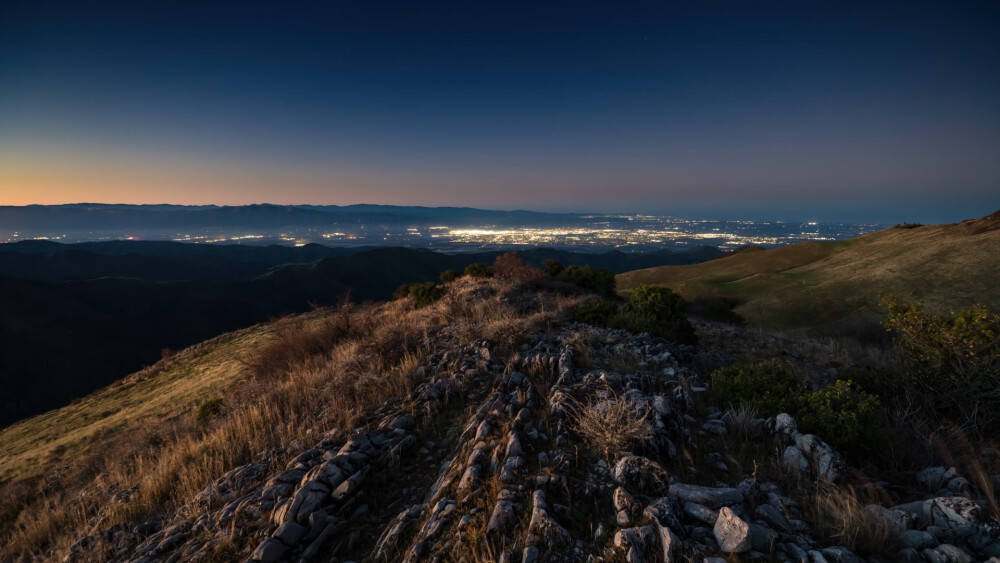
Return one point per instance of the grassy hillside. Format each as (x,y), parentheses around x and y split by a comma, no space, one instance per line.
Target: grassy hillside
(835,285)
(139,448)
(172,388)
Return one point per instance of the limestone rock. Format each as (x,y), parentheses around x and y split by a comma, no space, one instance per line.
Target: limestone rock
(711,497)
(732,532)
(641,475)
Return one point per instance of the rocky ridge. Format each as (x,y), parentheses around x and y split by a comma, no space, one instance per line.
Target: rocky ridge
(481,462)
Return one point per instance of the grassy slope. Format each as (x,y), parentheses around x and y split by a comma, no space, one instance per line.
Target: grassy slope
(836,284)
(171,388)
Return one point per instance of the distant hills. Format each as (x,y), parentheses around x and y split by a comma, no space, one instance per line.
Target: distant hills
(834,286)
(75,317)
(142,218)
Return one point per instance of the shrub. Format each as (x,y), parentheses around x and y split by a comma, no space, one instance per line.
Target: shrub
(479,270)
(610,426)
(509,265)
(719,309)
(845,416)
(769,387)
(632,321)
(449,276)
(663,311)
(208,409)
(425,294)
(595,312)
(402,291)
(949,366)
(597,280)
(552,267)
(294,343)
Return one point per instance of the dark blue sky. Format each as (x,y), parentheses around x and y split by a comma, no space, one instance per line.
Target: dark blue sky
(808,110)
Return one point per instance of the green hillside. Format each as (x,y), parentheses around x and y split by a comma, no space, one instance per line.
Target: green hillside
(835,285)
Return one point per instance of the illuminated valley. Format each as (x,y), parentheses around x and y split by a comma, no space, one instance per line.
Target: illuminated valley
(626,233)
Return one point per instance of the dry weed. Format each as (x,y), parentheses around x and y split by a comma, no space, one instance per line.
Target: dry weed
(610,426)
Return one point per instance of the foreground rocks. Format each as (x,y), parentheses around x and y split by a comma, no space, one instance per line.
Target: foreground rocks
(481,462)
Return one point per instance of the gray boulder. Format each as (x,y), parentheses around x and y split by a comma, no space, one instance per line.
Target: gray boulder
(732,532)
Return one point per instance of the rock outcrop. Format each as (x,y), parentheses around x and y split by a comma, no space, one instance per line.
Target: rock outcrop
(482,461)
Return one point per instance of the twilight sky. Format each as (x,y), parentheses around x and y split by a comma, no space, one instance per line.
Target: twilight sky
(865,111)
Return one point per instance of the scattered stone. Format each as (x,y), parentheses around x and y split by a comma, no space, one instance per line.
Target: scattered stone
(732,532)
(289,533)
(269,551)
(641,475)
(706,496)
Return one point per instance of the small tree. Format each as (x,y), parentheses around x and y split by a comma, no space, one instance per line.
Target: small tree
(769,387)
(401,291)
(594,311)
(425,294)
(950,366)
(509,265)
(449,276)
(479,270)
(666,310)
(552,267)
(597,280)
(845,416)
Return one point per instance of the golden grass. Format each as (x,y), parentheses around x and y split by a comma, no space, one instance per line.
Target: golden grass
(839,518)
(296,378)
(813,284)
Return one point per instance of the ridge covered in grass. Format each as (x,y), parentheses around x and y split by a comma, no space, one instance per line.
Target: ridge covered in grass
(836,285)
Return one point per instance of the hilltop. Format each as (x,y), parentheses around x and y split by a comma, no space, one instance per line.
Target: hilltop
(484,426)
(834,286)
(75,317)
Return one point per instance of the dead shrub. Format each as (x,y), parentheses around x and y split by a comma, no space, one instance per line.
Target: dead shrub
(294,343)
(610,426)
(510,265)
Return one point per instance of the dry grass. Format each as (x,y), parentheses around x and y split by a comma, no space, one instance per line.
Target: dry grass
(741,421)
(296,378)
(610,426)
(839,517)
(815,284)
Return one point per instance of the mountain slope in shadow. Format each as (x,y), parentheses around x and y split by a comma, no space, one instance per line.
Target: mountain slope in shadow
(78,317)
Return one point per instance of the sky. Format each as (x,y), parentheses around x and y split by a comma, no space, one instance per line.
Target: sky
(812,110)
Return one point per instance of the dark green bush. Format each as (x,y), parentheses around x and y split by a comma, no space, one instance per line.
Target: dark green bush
(448,276)
(597,280)
(479,270)
(718,309)
(628,319)
(425,294)
(208,409)
(949,367)
(844,416)
(552,267)
(595,312)
(769,387)
(663,311)
(402,291)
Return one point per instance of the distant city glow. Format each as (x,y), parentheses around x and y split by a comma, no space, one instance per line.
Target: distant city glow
(629,233)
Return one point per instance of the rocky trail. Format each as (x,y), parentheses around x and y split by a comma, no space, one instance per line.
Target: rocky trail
(482,462)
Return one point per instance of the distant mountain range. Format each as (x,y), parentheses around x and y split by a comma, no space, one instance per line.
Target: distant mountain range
(75,317)
(110,217)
